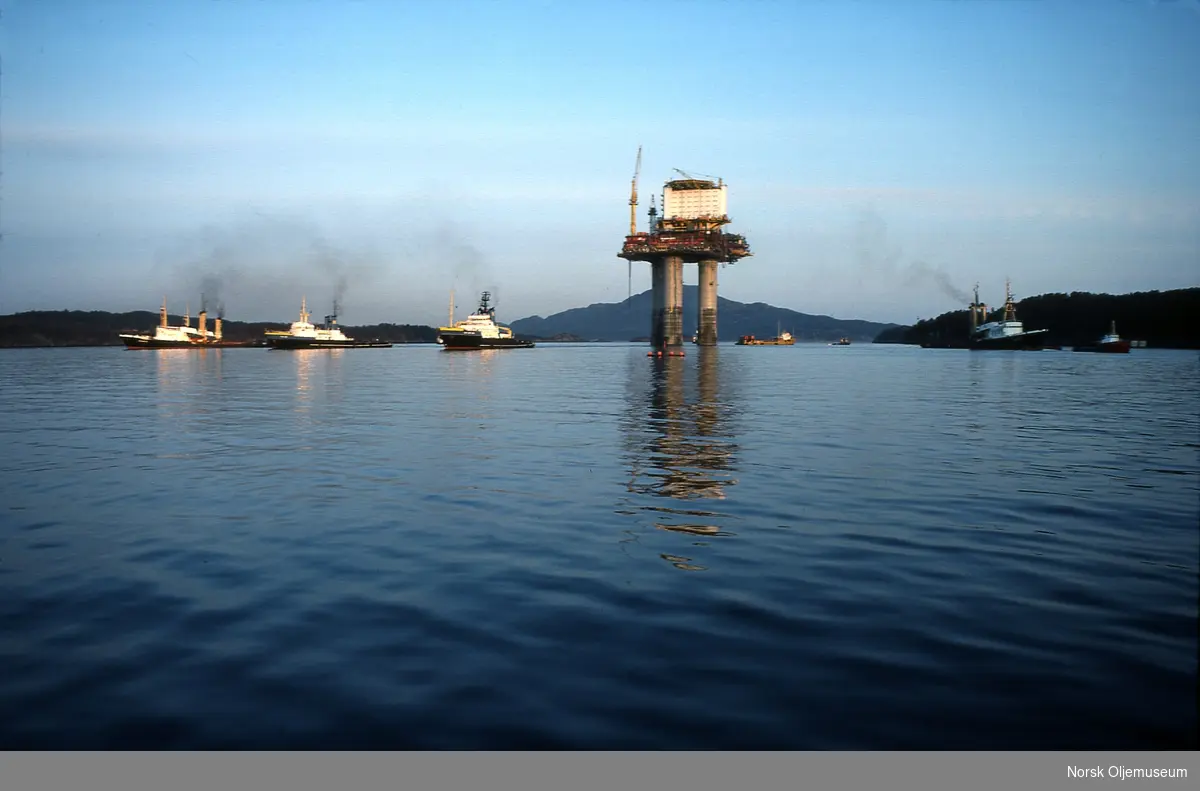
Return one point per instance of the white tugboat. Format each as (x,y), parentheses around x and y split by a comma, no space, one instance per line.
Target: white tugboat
(183,336)
(480,331)
(303,334)
(1008,333)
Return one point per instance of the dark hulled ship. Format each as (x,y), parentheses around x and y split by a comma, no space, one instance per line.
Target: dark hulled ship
(480,331)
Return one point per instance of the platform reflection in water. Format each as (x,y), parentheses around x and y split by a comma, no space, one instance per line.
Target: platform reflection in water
(679,445)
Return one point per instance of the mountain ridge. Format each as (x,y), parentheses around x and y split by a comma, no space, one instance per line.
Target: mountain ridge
(629,320)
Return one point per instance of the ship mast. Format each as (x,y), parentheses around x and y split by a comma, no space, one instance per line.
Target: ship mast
(1010,310)
(162,315)
(451,322)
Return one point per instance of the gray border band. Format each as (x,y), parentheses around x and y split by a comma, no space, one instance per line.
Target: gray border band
(534,771)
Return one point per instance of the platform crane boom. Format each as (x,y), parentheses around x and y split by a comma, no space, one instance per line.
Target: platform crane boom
(698,176)
(633,200)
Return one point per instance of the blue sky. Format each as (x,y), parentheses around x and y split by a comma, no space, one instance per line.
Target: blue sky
(873,150)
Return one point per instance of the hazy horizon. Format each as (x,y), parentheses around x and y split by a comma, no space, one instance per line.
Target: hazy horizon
(465,304)
(881,158)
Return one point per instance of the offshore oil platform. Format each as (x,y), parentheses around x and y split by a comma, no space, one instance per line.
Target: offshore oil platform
(694,212)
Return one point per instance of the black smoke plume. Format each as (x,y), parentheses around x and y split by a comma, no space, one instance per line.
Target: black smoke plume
(265,264)
(210,295)
(879,259)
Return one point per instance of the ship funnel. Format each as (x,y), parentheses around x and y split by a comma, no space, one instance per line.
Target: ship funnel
(974,310)
(217,329)
(203,323)
(162,314)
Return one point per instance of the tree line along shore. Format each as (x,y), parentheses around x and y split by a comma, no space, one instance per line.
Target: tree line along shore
(1162,319)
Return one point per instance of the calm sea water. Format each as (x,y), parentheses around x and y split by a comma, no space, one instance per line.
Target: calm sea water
(577,546)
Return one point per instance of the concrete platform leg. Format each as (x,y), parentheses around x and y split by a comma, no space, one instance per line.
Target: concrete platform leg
(658,303)
(673,329)
(706,314)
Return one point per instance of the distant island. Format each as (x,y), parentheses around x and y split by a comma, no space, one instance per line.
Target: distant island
(1163,319)
(562,337)
(629,320)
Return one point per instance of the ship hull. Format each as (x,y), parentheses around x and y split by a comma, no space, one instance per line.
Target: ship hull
(468,341)
(311,343)
(1029,342)
(1118,347)
(151,343)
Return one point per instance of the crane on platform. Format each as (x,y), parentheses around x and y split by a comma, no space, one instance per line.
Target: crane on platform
(633,202)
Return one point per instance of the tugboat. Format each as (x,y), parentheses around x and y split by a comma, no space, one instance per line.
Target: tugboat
(480,331)
(780,339)
(183,336)
(841,342)
(304,335)
(1008,333)
(1112,343)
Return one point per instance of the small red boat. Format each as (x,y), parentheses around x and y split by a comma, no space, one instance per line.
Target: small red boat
(1112,343)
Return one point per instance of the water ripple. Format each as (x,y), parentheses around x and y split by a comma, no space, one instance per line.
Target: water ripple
(577,546)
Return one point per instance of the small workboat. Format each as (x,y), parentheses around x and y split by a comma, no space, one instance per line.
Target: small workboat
(1112,343)
(782,339)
